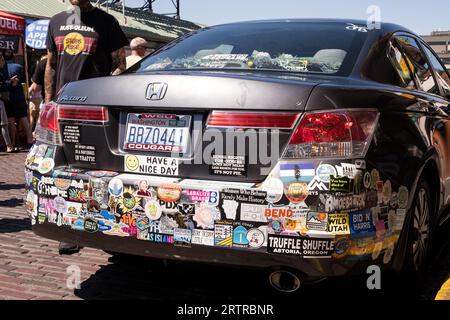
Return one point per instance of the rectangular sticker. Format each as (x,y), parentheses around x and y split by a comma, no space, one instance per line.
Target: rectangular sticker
(305,247)
(223,165)
(85,153)
(338,223)
(71,134)
(151,165)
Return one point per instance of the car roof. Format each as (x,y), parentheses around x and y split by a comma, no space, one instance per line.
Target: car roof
(384,26)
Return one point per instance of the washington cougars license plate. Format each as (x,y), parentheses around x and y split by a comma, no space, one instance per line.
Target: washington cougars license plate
(157,132)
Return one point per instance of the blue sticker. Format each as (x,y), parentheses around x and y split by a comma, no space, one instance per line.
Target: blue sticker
(303,172)
(240,236)
(361,222)
(324,171)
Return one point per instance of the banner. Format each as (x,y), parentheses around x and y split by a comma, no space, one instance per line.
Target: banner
(36,34)
(11,24)
(9,42)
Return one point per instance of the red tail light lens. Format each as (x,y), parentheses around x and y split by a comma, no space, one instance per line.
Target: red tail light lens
(48,117)
(97,114)
(47,129)
(340,133)
(260,120)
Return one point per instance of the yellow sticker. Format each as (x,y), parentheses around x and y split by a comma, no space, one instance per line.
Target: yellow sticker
(74,43)
(338,223)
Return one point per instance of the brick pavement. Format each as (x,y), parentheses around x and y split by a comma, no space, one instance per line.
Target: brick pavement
(30,267)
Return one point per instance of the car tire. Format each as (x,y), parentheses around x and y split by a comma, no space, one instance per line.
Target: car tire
(420,229)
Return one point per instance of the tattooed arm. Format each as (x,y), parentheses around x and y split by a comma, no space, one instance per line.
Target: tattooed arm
(118,61)
(49,77)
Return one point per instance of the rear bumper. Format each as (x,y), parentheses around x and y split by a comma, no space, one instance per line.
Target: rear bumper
(312,268)
(62,207)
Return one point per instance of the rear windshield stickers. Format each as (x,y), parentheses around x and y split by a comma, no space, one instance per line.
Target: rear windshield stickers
(353,27)
(151,165)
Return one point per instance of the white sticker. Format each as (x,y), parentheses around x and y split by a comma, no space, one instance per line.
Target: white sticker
(151,165)
(353,27)
(203,237)
(367,180)
(153,210)
(346,170)
(274,188)
(230,208)
(255,238)
(46,165)
(253,212)
(360,164)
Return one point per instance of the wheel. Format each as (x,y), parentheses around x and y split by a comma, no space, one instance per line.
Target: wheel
(420,233)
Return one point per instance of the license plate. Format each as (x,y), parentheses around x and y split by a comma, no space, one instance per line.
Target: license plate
(157,132)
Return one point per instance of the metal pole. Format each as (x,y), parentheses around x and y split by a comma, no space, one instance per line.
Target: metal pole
(178,10)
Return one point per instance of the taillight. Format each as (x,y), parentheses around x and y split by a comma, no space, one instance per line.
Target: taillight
(47,129)
(332,134)
(95,114)
(260,120)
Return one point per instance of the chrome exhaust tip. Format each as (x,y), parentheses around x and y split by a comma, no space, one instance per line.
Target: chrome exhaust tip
(285,281)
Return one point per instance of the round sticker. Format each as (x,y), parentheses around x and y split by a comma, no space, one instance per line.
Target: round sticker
(375,178)
(274,189)
(403,195)
(367,180)
(132,163)
(115,187)
(46,165)
(324,171)
(255,238)
(297,192)
(341,247)
(205,215)
(60,204)
(73,43)
(169,193)
(387,191)
(153,210)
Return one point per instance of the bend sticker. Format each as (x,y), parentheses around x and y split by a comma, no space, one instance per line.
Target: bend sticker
(151,165)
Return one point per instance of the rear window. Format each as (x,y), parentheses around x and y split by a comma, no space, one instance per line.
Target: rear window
(329,48)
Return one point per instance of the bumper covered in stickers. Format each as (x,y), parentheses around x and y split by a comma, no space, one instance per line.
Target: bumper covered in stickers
(322,219)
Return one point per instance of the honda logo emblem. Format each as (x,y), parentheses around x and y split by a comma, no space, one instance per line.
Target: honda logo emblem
(156,91)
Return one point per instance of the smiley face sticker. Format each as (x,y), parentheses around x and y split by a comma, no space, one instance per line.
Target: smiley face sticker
(131,163)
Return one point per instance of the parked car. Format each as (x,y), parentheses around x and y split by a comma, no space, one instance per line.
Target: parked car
(312,148)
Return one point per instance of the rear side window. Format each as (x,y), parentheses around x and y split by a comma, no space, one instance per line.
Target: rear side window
(401,65)
(417,64)
(442,75)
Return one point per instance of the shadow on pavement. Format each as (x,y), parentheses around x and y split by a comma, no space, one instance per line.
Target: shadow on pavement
(11,203)
(14,225)
(7,186)
(144,278)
